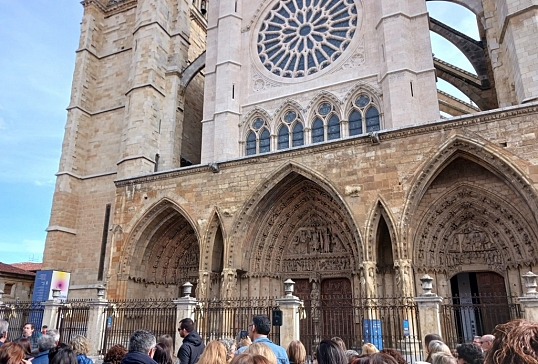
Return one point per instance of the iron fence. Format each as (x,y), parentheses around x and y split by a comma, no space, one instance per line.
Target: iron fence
(384,322)
(125,317)
(218,318)
(20,313)
(463,317)
(73,319)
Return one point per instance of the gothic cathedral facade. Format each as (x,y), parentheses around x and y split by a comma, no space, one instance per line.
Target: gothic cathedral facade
(235,144)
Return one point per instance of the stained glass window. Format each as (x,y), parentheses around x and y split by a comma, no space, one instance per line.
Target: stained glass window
(333,132)
(251,144)
(298,135)
(283,138)
(265,141)
(317,131)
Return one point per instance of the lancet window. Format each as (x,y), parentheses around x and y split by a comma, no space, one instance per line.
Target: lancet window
(291,131)
(327,120)
(364,116)
(258,137)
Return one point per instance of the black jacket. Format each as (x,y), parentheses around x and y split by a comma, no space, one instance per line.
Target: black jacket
(136,357)
(192,348)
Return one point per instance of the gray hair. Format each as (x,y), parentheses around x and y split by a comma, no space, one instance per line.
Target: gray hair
(228,343)
(443,358)
(45,342)
(3,327)
(142,341)
(55,334)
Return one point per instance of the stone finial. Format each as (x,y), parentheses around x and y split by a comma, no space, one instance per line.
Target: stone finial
(530,283)
(187,289)
(288,287)
(56,294)
(427,285)
(101,290)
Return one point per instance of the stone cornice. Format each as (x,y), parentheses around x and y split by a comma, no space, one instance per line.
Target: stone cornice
(384,135)
(111,7)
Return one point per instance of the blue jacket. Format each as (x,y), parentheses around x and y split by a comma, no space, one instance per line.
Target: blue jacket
(41,358)
(83,359)
(280,353)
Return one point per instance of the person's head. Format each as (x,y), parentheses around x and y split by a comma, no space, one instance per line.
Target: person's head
(231,348)
(369,348)
(214,353)
(381,358)
(487,342)
(55,334)
(248,358)
(469,353)
(44,329)
(329,352)
(477,341)
(351,355)
(437,346)
(162,354)
(142,341)
(429,338)
(26,345)
(515,342)
(257,348)
(296,352)
(56,349)
(64,356)
(11,353)
(245,342)
(4,325)
(185,327)
(45,342)
(115,354)
(166,340)
(443,358)
(396,355)
(340,342)
(80,345)
(260,326)
(28,329)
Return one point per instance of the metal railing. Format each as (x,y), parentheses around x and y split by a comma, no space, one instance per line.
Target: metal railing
(219,318)
(125,317)
(384,322)
(463,317)
(73,319)
(19,313)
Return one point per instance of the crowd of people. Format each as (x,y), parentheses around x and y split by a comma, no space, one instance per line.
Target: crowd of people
(515,342)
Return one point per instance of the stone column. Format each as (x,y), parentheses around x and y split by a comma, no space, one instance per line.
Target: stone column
(428,308)
(185,308)
(289,304)
(50,313)
(96,322)
(529,301)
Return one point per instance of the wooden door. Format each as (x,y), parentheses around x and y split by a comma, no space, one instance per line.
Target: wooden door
(493,301)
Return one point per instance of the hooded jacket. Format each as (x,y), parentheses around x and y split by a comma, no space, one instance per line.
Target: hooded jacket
(191,349)
(136,357)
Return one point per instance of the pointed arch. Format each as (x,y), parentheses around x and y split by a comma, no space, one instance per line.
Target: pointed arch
(161,239)
(266,214)
(286,105)
(214,224)
(251,115)
(323,96)
(474,6)
(490,157)
(363,87)
(378,211)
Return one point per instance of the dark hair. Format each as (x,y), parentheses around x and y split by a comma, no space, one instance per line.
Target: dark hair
(31,325)
(162,354)
(395,354)
(115,354)
(515,342)
(262,323)
(64,356)
(329,352)
(470,353)
(430,337)
(56,349)
(186,324)
(26,345)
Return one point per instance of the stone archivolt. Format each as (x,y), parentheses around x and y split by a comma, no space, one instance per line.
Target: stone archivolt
(471,226)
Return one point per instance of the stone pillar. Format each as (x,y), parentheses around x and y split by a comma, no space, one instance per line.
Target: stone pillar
(428,308)
(2,306)
(50,313)
(185,308)
(529,301)
(289,304)
(96,322)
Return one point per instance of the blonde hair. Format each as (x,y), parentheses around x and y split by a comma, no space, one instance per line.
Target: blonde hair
(369,348)
(443,358)
(263,350)
(247,358)
(80,345)
(437,346)
(214,353)
(296,352)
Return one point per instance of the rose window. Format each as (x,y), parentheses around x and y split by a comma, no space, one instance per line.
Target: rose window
(301,37)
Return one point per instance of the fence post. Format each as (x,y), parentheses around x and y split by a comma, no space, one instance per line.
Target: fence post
(51,308)
(530,300)
(96,322)
(428,308)
(2,306)
(186,307)
(289,304)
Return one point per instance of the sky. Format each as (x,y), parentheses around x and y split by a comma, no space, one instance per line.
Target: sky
(38,40)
